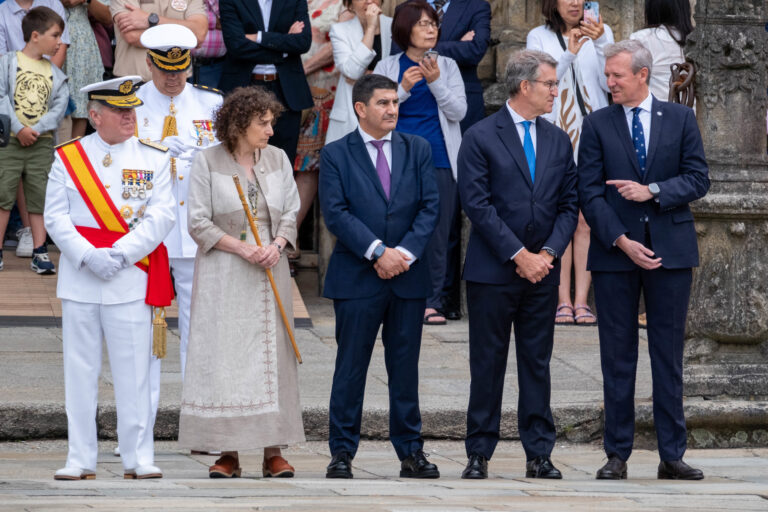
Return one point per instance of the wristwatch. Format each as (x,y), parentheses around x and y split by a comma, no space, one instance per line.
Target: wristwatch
(551,252)
(654,189)
(378,252)
(153,19)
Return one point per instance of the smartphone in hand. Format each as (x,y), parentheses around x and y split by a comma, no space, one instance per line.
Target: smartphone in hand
(592,12)
(431,54)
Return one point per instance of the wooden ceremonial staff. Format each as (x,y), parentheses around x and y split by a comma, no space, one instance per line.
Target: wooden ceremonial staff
(287,324)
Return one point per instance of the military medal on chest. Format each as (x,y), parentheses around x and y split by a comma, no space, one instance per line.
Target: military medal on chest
(142,185)
(126,183)
(204,130)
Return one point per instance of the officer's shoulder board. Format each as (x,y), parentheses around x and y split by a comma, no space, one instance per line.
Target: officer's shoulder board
(209,89)
(66,143)
(153,144)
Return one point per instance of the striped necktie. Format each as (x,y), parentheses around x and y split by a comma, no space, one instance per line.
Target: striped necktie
(439,4)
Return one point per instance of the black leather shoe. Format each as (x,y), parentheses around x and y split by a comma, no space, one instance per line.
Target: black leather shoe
(477,468)
(452,314)
(614,469)
(678,470)
(340,466)
(541,467)
(416,465)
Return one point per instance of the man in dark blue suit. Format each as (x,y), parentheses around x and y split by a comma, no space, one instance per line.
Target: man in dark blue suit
(517,183)
(465,32)
(265,40)
(379,197)
(641,162)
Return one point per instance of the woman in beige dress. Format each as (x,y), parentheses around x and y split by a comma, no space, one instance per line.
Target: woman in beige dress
(241,387)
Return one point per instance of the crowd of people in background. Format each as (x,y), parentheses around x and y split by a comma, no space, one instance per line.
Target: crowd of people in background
(327,45)
(312,90)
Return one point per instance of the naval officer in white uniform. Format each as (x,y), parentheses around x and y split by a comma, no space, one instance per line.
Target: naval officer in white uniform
(180,116)
(108,207)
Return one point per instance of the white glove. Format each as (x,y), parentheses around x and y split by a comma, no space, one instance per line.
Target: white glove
(176,146)
(101,263)
(119,255)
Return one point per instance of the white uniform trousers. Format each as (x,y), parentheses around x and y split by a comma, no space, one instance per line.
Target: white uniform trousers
(183,270)
(127,329)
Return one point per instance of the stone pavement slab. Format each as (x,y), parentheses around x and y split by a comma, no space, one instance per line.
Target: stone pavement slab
(737,480)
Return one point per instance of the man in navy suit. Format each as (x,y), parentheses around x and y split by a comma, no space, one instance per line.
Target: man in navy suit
(265,40)
(517,183)
(641,162)
(465,32)
(379,197)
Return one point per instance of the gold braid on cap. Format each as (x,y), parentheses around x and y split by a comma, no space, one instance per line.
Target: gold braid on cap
(176,59)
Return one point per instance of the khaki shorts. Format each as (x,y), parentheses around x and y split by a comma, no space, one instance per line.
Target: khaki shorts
(30,164)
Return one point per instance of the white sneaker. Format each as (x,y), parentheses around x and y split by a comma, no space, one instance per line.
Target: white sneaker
(25,247)
(116,451)
(143,472)
(74,474)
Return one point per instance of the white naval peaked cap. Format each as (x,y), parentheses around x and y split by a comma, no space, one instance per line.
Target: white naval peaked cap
(118,92)
(168,46)
(168,36)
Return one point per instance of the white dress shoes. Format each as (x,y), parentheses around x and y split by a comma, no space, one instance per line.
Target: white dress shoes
(74,474)
(143,472)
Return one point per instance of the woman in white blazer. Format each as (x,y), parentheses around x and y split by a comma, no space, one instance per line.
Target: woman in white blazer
(358,44)
(432,104)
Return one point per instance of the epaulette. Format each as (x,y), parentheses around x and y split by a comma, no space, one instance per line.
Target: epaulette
(209,89)
(68,142)
(154,144)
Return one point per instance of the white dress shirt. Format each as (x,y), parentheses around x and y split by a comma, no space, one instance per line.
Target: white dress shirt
(266,10)
(373,153)
(645,118)
(518,119)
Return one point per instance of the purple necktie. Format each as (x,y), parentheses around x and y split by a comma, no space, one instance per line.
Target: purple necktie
(382,167)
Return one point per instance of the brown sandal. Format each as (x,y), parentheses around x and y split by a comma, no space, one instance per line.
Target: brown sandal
(225,467)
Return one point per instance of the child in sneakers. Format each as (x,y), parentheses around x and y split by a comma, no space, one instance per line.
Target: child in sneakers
(34,93)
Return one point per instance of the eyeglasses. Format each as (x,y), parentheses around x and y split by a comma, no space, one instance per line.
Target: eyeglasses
(426,23)
(551,85)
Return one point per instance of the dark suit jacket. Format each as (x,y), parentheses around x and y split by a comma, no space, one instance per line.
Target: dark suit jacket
(507,211)
(356,210)
(240,17)
(461,17)
(675,162)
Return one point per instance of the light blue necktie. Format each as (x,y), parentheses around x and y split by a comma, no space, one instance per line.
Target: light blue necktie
(638,139)
(530,153)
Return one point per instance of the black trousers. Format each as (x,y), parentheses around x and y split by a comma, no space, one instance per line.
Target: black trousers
(617,296)
(357,323)
(437,250)
(493,309)
(286,136)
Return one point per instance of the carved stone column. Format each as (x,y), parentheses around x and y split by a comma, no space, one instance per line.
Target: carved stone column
(727,336)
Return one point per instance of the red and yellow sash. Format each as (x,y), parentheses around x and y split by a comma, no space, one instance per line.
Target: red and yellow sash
(112,226)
